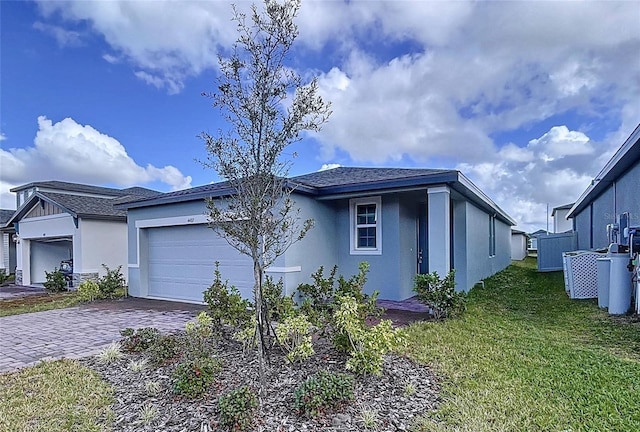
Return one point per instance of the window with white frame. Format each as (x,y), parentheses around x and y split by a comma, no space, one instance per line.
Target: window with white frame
(366,226)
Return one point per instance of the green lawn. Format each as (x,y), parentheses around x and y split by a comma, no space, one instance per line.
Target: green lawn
(525,357)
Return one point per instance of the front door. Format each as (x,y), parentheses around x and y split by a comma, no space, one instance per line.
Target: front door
(423,257)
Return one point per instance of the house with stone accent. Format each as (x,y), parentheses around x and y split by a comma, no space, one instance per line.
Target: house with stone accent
(58,221)
(401,221)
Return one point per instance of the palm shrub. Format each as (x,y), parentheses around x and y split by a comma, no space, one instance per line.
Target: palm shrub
(440,294)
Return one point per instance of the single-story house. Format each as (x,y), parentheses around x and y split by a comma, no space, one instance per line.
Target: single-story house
(615,191)
(58,221)
(561,223)
(519,245)
(401,221)
(8,245)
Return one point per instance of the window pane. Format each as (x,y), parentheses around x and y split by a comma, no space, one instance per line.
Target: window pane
(366,237)
(366,214)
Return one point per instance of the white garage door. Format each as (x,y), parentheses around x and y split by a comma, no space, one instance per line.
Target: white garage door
(181,263)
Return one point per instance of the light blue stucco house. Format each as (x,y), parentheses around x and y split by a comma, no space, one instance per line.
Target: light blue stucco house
(401,221)
(613,192)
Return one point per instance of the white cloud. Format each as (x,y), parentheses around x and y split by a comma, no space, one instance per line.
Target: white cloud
(2,136)
(62,36)
(553,169)
(111,58)
(330,166)
(79,153)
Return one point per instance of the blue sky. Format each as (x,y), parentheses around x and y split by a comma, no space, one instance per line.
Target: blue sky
(528,99)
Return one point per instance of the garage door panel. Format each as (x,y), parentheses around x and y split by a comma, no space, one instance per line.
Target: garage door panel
(182,262)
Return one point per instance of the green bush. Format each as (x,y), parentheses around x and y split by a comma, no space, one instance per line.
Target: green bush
(198,338)
(3,276)
(193,377)
(294,335)
(279,307)
(225,302)
(56,281)
(322,392)
(112,281)
(138,340)
(321,300)
(237,409)
(89,290)
(366,345)
(163,349)
(440,294)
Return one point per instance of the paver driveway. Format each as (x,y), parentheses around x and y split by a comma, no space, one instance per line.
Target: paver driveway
(81,331)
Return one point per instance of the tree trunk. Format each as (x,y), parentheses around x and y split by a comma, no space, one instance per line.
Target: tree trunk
(258,269)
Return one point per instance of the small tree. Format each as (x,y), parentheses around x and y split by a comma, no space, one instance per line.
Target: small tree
(267,108)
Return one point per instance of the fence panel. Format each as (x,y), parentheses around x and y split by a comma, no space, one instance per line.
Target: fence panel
(550,248)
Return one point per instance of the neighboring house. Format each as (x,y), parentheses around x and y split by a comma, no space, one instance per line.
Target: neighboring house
(519,245)
(7,243)
(401,221)
(57,221)
(561,223)
(613,192)
(533,239)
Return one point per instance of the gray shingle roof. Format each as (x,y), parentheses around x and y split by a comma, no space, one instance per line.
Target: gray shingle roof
(343,176)
(84,205)
(5,215)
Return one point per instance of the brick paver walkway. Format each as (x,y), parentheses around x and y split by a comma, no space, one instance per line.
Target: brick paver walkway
(75,332)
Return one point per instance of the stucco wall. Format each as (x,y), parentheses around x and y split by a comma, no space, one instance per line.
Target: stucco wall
(560,223)
(607,208)
(518,246)
(101,242)
(471,249)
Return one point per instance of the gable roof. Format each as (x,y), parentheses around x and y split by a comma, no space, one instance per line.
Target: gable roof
(5,215)
(340,182)
(78,205)
(74,187)
(627,155)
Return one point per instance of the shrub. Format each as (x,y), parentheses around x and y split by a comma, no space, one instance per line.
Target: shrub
(323,391)
(321,300)
(193,377)
(56,281)
(247,335)
(295,336)
(237,409)
(113,280)
(89,290)
(162,349)
(279,307)
(440,294)
(367,345)
(139,340)
(3,276)
(198,338)
(225,302)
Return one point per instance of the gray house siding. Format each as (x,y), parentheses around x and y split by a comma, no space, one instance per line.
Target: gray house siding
(385,268)
(471,247)
(591,222)
(603,208)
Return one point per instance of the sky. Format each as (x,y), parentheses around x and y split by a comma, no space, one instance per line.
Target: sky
(528,99)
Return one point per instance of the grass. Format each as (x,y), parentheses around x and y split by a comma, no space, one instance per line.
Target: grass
(44,302)
(54,396)
(37,303)
(525,357)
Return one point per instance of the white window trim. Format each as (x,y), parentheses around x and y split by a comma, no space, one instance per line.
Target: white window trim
(354,250)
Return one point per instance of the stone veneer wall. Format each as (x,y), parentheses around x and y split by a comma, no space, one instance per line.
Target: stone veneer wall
(78,278)
(18,277)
